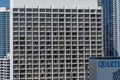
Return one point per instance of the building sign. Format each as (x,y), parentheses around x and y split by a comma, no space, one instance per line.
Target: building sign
(104,69)
(109,64)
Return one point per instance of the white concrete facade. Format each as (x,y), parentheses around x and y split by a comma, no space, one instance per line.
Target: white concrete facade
(56,3)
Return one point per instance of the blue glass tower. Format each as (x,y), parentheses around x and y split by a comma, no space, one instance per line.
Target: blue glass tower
(5,3)
(4,32)
(111,22)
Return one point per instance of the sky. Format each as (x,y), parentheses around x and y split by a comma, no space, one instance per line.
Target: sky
(4,3)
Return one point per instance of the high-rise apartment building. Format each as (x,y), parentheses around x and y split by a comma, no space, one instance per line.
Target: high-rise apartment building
(5,68)
(53,39)
(4,31)
(111,23)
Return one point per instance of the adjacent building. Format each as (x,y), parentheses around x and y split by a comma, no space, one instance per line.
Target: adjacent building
(104,68)
(4,44)
(5,68)
(111,23)
(4,31)
(53,39)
